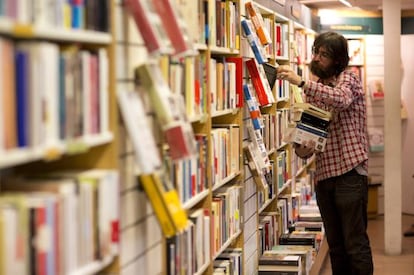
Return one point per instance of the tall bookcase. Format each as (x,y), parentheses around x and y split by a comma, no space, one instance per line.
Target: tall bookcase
(58,83)
(144,248)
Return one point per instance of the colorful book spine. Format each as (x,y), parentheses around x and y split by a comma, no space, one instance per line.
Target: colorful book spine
(254,43)
(253,107)
(258,23)
(260,83)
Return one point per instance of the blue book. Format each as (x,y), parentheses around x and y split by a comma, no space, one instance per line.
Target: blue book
(22,98)
(254,43)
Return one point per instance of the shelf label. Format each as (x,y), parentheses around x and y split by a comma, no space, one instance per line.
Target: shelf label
(52,154)
(23,30)
(76,147)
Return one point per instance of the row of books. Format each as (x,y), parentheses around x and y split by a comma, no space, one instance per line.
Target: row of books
(60,222)
(296,249)
(225,141)
(76,14)
(161,26)
(51,95)
(189,250)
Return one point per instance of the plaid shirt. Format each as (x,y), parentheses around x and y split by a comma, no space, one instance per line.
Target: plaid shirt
(347,143)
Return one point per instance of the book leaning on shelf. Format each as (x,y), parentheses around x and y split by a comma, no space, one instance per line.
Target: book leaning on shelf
(258,23)
(165,202)
(170,111)
(175,27)
(150,26)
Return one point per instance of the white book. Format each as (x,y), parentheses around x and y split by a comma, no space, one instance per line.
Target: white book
(138,128)
(49,56)
(103,90)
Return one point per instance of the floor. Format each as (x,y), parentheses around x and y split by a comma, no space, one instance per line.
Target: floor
(383,264)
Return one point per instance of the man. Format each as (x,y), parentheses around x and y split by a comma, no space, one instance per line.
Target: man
(341,170)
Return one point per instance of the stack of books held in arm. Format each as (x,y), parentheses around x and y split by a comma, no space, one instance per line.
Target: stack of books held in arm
(310,123)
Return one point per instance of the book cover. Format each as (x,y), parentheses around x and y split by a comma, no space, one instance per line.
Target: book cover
(253,40)
(313,110)
(271,73)
(280,260)
(260,83)
(238,61)
(138,128)
(258,23)
(166,204)
(8,94)
(175,27)
(253,107)
(170,111)
(149,25)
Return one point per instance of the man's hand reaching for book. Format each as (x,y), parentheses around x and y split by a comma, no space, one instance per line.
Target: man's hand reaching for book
(284,72)
(305,150)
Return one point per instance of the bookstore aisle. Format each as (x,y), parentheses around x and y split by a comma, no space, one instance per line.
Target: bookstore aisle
(383,264)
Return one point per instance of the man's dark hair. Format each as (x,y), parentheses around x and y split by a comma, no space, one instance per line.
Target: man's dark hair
(337,47)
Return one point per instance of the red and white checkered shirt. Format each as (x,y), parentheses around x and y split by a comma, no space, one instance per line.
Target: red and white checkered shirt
(347,144)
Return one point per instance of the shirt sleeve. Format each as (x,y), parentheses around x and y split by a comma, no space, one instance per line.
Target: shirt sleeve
(335,98)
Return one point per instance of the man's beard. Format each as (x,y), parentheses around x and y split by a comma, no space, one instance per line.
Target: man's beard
(322,73)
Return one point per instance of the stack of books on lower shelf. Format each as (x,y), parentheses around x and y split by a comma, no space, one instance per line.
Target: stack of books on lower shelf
(297,258)
(274,263)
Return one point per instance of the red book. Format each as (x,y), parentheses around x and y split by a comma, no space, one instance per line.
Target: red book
(239,79)
(152,34)
(41,252)
(260,83)
(170,20)
(179,141)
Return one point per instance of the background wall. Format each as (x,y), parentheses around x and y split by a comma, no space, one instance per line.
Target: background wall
(407,93)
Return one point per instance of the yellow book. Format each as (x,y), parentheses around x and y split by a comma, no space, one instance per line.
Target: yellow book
(297,94)
(166,204)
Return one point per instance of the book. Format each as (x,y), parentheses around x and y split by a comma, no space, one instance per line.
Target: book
(150,26)
(170,111)
(260,83)
(280,260)
(258,23)
(238,61)
(312,120)
(257,48)
(175,27)
(271,73)
(137,125)
(253,107)
(313,110)
(165,202)
(304,251)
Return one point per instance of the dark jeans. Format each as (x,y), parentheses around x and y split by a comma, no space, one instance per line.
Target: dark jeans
(343,203)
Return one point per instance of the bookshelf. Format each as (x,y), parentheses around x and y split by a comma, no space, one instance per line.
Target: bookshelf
(45,155)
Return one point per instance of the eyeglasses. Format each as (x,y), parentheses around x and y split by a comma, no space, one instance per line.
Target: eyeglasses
(321,54)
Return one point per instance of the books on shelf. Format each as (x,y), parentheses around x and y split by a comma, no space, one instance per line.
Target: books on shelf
(73,215)
(170,111)
(279,262)
(255,45)
(134,116)
(257,20)
(260,83)
(175,27)
(150,26)
(166,203)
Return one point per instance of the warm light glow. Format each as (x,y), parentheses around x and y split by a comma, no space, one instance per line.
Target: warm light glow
(346,3)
